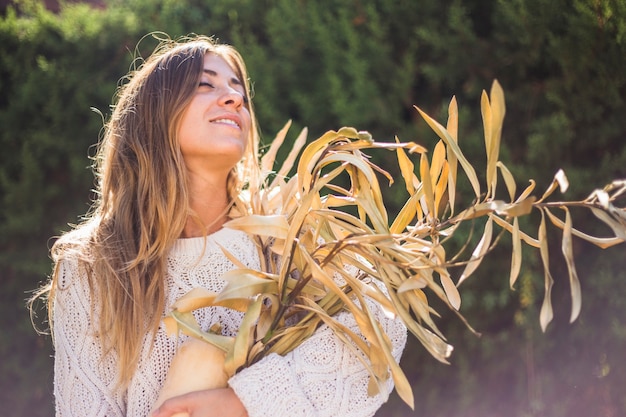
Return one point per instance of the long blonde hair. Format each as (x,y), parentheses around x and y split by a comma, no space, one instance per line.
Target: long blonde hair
(142,197)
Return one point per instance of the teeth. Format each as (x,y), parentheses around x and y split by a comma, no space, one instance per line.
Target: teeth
(227,121)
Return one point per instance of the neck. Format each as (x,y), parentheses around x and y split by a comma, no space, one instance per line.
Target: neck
(209,204)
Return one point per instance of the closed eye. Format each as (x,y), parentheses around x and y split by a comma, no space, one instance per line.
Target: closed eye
(206,84)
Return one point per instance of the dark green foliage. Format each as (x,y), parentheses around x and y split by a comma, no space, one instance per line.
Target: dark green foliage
(361,63)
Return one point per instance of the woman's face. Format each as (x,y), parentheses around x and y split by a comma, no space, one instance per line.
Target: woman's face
(214,129)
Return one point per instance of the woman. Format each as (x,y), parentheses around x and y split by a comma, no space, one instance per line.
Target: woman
(179,146)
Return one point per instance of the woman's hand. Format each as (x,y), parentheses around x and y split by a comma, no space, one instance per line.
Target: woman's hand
(220,402)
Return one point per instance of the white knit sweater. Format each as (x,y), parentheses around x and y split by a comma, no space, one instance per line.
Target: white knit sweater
(319,378)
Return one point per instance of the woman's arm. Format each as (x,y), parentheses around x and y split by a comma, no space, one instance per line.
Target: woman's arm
(322,377)
(220,402)
(83,378)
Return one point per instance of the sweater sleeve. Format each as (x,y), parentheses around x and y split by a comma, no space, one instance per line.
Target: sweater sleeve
(83,377)
(322,377)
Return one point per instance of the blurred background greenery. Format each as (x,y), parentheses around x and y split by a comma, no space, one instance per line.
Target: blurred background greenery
(362,63)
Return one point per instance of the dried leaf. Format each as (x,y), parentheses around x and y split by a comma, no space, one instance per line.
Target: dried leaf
(561,179)
(427,184)
(440,190)
(196,298)
(546,314)
(618,227)
(262,225)
(413,283)
(406,214)
(527,191)
(507,226)
(485,109)
(291,158)
(244,283)
(516,253)
(437,161)
(435,345)
(451,144)
(498,110)
(238,355)
(479,251)
(509,181)
(406,169)
(452,127)
(402,385)
(188,325)
(267,161)
(598,241)
(519,208)
(568,253)
(451,291)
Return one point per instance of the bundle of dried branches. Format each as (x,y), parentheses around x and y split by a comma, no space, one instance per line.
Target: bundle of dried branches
(309,227)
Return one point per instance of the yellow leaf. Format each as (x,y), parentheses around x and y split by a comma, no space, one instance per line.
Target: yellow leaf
(497,110)
(519,208)
(568,254)
(437,161)
(507,226)
(451,291)
(516,253)
(451,144)
(546,314)
(402,385)
(407,213)
(188,325)
(437,347)
(406,169)
(238,355)
(196,298)
(598,241)
(479,251)
(427,184)
(244,283)
(477,210)
(357,313)
(267,161)
(617,225)
(452,127)
(291,158)
(310,156)
(509,181)
(413,283)
(440,190)
(263,325)
(527,191)
(268,226)
(559,181)
(485,109)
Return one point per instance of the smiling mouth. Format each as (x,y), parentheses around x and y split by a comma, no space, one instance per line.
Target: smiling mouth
(227,122)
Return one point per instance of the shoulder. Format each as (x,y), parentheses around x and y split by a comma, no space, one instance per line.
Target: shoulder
(72,254)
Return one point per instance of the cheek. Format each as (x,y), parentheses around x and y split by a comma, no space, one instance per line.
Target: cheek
(247,122)
(187,126)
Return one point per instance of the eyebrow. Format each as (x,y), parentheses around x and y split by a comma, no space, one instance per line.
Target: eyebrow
(212,73)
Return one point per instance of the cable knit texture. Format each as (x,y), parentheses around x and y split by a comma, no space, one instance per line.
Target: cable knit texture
(322,377)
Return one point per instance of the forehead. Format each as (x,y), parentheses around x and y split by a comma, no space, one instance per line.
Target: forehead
(215,65)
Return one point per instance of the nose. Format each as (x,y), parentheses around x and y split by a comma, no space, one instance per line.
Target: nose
(232,97)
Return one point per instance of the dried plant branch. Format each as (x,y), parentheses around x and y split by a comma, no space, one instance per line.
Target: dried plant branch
(308,237)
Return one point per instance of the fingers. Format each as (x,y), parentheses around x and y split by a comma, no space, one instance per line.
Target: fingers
(220,402)
(180,406)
